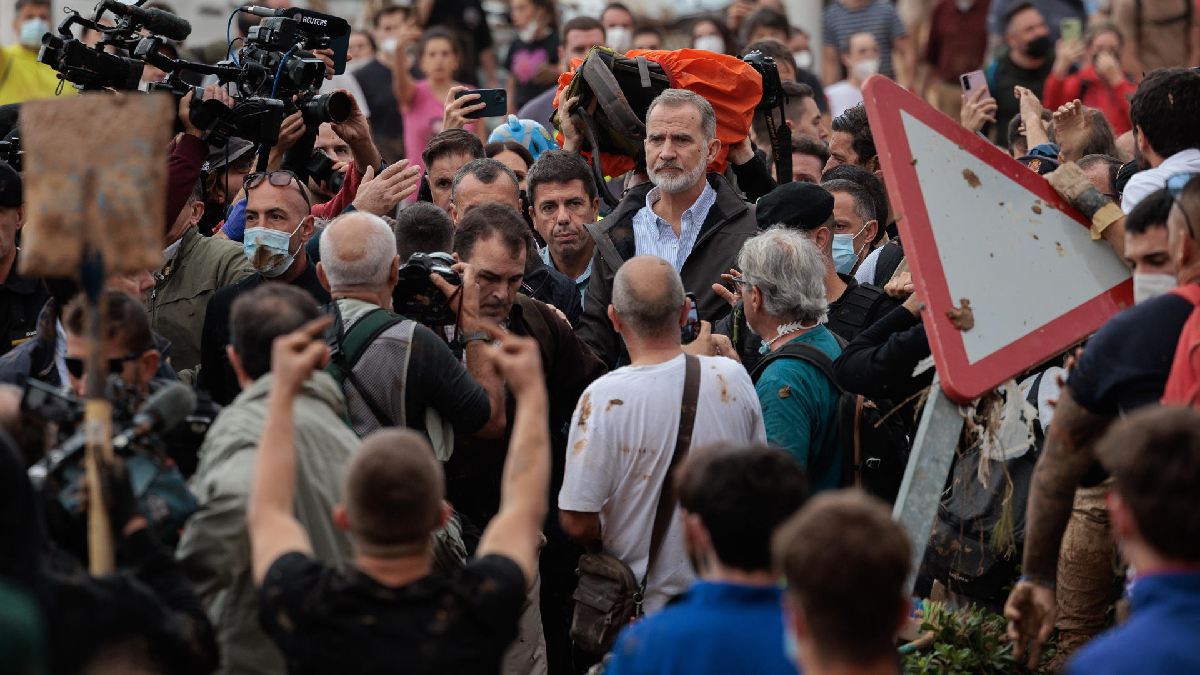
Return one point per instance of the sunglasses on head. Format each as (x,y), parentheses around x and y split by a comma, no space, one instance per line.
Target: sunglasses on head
(281,178)
(77,366)
(1175,185)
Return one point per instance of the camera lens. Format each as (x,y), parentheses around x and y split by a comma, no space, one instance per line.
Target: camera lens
(333,107)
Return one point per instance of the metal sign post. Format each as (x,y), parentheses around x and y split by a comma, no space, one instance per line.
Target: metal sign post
(927,470)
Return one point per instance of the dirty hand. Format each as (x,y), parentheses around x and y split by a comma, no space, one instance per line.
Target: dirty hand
(457,109)
(296,355)
(741,152)
(1072,130)
(977,111)
(1031,610)
(572,136)
(901,286)
(380,194)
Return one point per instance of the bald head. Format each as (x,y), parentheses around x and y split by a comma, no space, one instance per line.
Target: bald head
(358,250)
(393,493)
(648,295)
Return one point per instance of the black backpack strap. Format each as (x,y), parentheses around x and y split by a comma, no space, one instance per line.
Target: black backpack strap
(350,347)
(889,259)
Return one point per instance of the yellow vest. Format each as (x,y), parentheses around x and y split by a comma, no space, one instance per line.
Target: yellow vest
(22,78)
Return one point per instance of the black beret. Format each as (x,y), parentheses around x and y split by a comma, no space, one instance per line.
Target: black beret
(10,186)
(801,206)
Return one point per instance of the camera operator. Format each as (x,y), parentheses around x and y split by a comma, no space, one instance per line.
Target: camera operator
(143,618)
(368,186)
(23,77)
(278,226)
(406,370)
(21,298)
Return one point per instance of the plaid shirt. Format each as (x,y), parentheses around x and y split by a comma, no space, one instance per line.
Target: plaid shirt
(654,236)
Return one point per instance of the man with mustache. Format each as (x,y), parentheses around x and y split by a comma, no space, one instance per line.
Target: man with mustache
(692,219)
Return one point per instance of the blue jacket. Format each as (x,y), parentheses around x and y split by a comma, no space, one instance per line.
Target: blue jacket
(1162,635)
(717,628)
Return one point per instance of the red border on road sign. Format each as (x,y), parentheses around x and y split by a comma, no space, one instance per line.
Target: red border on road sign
(962,380)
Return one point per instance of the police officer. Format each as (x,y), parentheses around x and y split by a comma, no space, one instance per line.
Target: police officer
(21,298)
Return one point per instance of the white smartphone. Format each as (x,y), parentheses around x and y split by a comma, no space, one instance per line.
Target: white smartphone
(974,81)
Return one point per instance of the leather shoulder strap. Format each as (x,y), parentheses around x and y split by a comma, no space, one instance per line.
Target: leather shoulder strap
(683,441)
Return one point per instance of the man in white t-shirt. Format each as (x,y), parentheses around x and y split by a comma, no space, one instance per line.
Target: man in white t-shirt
(624,429)
(861,59)
(1163,110)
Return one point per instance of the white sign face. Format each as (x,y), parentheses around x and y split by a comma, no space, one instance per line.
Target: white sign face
(1020,262)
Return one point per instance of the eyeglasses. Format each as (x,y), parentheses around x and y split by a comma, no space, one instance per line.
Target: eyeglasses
(281,178)
(77,366)
(741,281)
(1175,185)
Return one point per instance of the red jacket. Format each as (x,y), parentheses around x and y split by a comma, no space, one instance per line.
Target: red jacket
(1087,86)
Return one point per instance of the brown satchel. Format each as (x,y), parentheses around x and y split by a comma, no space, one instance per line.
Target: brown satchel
(609,596)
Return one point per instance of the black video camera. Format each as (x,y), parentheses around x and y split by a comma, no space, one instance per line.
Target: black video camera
(320,169)
(94,68)
(774,97)
(417,298)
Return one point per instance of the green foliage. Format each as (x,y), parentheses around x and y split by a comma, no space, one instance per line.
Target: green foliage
(967,642)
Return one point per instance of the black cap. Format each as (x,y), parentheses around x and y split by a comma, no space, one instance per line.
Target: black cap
(10,186)
(1038,164)
(801,206)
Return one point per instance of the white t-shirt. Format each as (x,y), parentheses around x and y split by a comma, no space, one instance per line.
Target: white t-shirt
(1145,183)
(622,436)
(842,96)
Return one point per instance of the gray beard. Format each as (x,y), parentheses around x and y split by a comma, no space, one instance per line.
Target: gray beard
(679,183)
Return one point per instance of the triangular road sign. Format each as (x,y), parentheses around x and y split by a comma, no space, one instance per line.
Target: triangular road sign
(978,226)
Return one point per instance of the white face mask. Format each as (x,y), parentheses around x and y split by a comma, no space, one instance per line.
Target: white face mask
(710,43)
(964,5)
(1146,286)
(32,32)
(865,68)
(619,39)
(803,59)
(388,45)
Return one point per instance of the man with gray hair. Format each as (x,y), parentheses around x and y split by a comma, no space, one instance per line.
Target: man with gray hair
(692,219)
(396,372)
(480,181)
(625,427)
(782,285)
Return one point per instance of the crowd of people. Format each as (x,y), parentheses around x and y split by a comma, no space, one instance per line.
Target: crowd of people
(456,414)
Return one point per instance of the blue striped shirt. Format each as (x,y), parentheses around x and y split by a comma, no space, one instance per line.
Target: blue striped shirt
(655,236)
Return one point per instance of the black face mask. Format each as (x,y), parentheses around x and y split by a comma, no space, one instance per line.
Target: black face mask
(1038,47)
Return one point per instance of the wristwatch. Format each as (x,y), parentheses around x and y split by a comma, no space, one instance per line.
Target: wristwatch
(481,335)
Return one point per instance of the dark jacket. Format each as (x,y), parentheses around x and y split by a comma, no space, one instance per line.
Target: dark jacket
(730,223)
(543,282)
(216,376)
(879,362)
(35,357)
(387,124)
(21,298)
(473,472)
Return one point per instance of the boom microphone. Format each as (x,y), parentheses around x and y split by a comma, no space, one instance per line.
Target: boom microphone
(156,21)
(165,410)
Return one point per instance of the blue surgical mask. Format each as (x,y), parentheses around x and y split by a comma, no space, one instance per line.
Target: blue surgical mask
(276,250)
(844,255)
(32,32)
(791,646)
